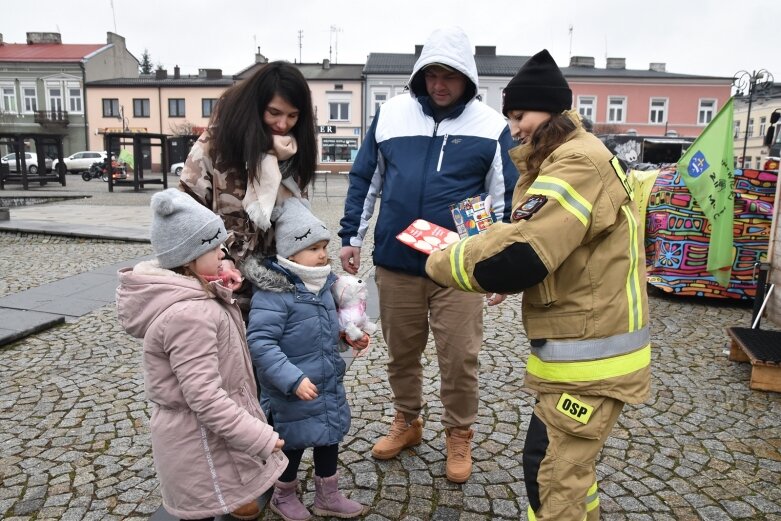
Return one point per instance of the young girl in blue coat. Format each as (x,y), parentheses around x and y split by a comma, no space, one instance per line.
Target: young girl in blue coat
(293,335)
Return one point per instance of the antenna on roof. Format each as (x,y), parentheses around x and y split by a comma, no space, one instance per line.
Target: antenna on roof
(114,15)
(335,37)
(300,37)
(571,29)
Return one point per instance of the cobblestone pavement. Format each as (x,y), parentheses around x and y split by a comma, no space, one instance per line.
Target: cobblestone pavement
(74,440)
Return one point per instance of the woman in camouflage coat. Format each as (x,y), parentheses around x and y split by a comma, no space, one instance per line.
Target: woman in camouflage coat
(273,102)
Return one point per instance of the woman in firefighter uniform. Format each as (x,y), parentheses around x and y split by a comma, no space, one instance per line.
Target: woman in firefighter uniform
(575,249)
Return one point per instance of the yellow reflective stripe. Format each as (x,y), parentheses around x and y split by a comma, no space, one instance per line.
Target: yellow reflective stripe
(591,370)
(457,269)
(592,497)
(633,289)
(563,192)
(530,514)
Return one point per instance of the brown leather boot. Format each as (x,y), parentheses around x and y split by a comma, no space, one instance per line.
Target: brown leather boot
(400,436)
(247,512)
(459,454)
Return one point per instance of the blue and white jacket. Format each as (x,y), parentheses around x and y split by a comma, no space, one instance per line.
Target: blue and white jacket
(418,166)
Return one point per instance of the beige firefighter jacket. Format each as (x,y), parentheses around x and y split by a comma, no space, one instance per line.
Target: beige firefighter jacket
(588,318)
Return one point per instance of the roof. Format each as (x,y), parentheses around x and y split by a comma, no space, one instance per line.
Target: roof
(498,65)
(487,65)
(47,52)
(335,71)
(315,71)
(150,81)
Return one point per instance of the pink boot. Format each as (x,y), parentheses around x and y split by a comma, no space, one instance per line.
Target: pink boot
(330,502)
(286,504)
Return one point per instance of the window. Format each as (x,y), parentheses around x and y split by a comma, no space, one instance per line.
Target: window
(338,149)
(29,98)
(338,111)
(207,106)
(140,107)
(175,108)
(750,127)
(658,112)
(705,113)
(74,97)
(54,97)
(747,162)
(762,125)
(378,98)
(759,166)
(9,98)
(616,108)
(586,106)
(110,108)
(737,130)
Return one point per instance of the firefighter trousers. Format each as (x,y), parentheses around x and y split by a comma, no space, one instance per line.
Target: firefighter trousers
(565,435)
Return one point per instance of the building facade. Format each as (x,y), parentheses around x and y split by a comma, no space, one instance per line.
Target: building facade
(179,105)
(751,128)
(42,83)
(617,100)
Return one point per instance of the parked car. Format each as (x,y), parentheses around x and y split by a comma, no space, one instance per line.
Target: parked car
(176,168)
(81,161)
(30,159)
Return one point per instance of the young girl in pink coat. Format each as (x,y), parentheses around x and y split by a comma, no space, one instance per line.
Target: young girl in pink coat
(213,450)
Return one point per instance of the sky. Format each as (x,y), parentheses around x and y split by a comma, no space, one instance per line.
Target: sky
(703,37)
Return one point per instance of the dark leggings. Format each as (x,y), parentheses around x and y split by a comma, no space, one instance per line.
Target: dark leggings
(325,462)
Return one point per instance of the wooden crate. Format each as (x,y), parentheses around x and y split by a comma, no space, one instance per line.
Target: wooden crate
(762,348)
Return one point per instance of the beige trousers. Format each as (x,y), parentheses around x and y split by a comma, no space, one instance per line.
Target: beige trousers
(409,306)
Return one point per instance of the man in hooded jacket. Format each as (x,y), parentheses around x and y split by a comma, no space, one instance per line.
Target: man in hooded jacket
(425,150)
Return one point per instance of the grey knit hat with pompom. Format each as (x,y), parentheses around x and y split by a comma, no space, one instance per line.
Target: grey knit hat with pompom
(183,229)
(296,228)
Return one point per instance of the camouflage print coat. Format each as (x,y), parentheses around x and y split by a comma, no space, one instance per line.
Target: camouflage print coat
(223,192)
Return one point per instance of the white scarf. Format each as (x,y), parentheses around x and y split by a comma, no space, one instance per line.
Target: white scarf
(269,189)
(313,277)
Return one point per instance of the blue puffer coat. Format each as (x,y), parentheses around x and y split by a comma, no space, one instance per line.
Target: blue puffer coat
(293,333)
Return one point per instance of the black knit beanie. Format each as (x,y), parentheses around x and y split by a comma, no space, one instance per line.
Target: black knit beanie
(538,85)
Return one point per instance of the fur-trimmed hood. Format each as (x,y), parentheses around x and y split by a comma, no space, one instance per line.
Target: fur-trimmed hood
(146,290)
(256,270)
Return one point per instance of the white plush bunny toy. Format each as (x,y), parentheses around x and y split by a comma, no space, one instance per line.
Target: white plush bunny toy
(350,295)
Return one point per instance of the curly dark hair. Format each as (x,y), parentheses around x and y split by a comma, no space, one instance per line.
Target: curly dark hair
(238,135)
(547,138)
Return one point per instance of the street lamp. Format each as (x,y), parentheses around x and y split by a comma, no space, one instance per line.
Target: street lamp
(756,83)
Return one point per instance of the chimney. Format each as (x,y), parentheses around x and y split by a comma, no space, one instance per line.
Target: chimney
(259,58)
(176,72)
(616,63)
(161,74)
(33,38)
(485,50)
(326,64)
(657,66)
(418,49)
(582,61)
(1,38)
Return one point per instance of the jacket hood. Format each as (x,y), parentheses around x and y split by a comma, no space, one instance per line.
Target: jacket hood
(256,270)
(449,46)
(147,290)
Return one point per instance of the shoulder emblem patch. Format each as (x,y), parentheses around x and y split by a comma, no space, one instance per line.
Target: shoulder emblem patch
(529,207)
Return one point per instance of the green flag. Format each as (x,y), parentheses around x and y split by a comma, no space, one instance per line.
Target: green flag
(707,170)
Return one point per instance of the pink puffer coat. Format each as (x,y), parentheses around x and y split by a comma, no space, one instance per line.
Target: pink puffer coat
(211,444)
